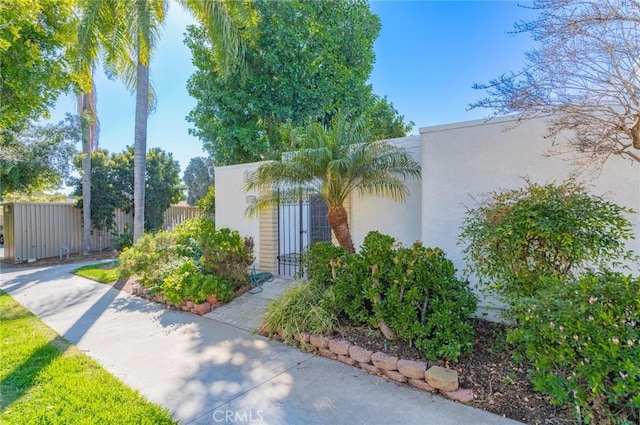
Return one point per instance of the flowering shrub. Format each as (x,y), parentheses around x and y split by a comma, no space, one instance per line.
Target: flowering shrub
(584,342)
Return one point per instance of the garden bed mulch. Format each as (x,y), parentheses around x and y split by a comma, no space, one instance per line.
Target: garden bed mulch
(499,384)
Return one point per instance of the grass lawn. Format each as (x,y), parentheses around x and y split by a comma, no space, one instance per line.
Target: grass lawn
(46,380)
(102,272)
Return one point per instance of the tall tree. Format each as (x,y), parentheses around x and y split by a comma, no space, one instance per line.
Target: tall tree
(584,77)
(34,65)
(98,31)
(142,21)
(304,60)
(332,162)
(104,191)
(198,176)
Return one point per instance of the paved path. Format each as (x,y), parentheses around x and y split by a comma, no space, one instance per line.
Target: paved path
(246,312)
(208,372)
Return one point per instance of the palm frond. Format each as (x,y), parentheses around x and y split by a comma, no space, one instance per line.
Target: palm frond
(224,21)
(334,161)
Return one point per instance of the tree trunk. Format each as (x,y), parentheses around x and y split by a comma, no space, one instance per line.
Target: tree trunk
(140,149)
(339,221)
(388,333)
(87,142)
(86,195)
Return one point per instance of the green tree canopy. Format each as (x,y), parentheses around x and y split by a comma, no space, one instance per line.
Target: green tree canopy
(34,69)
(198,176)
(37,157)
(112,185)
(304,60)
(104,194)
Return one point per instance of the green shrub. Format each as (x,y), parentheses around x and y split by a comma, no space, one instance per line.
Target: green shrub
(414,290)
(191,262)
(516,238)
(421,298)
(226,253)
(124,239)
(348,288)
(149,257)
(303,308)
(584,342)
(319,261)
(191,233)
(184,281)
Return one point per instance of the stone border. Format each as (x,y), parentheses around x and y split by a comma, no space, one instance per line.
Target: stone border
(200,309)
(418,374)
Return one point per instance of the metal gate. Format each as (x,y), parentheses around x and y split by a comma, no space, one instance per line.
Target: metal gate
(300,224)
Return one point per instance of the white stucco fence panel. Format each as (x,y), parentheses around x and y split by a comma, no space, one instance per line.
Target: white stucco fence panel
(232,201)
(402,220)
(464,160)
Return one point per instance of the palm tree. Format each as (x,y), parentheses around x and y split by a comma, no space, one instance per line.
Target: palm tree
(143,20)
(97,20)
(331,163)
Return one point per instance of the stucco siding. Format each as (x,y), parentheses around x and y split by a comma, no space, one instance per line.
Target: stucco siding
(402,220)
(232,202)
(460,162)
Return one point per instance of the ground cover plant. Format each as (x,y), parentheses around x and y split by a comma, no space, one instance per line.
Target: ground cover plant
(191,262)
(547,252)
(44,379)
(103,272)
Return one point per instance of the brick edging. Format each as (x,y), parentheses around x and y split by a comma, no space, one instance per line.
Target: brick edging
(418,374)
(186,305)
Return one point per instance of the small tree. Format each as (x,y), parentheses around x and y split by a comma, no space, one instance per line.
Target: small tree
(331,163)
(584,78)
(517,238)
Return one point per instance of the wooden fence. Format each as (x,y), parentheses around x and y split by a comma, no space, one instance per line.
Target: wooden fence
(39,230)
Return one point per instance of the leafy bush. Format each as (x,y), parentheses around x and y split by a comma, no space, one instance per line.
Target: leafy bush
(516,238)
(183,280)
(124,239)
(413,290)
(584,342)
(319,261)
(226,253)
(191,233)
(421,298)
(207,204)
(190,263)
(149,257)
(306,307)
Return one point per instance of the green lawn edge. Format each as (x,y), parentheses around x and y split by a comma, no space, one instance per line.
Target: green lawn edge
(97,272)
(46,379)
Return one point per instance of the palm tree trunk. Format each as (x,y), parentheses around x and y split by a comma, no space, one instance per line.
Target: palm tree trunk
(86,194)
(86,111)
(140,149)
(339,221)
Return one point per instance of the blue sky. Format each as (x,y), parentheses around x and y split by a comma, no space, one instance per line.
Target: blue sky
(428,55)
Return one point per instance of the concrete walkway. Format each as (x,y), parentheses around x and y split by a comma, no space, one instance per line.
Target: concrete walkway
(206,371)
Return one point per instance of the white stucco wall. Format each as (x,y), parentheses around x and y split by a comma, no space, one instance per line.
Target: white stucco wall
(398,219)
(231,202)
(461,161)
